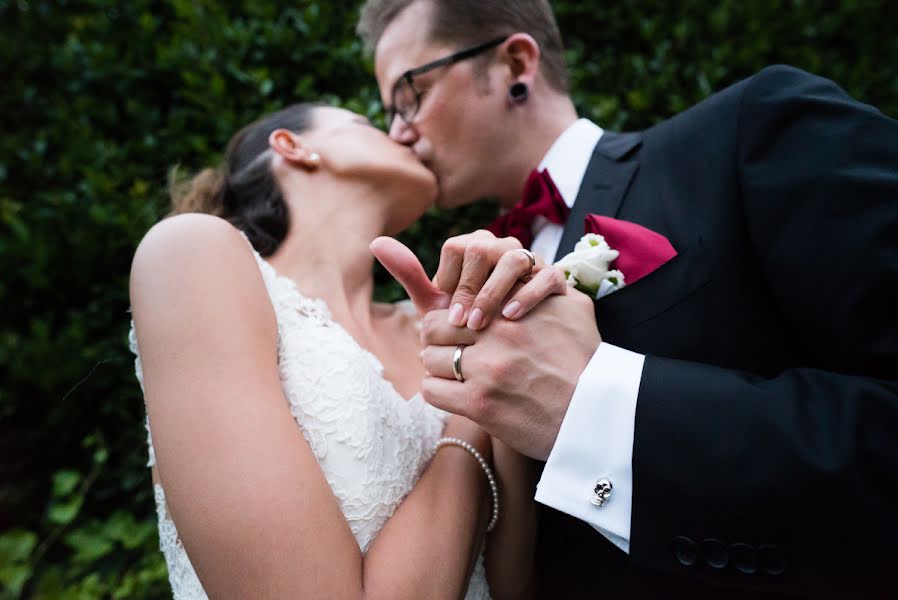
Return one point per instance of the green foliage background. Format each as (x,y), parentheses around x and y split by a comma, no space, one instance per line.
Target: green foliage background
(99,99)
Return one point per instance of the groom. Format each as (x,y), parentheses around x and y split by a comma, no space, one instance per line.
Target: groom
(725,424)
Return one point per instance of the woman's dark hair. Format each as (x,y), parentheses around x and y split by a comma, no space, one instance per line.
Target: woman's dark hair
(243,189)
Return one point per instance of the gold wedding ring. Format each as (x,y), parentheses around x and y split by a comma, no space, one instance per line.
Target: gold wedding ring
(456,363)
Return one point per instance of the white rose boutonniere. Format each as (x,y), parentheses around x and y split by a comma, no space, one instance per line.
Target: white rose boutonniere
(587,268)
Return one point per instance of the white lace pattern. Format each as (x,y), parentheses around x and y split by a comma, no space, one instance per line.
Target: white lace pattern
(371,443)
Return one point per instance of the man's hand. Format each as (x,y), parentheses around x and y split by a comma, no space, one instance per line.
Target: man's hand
(519,376)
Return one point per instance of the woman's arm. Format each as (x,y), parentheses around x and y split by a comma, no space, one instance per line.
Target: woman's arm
(428,547)
(253,509)
(510,546)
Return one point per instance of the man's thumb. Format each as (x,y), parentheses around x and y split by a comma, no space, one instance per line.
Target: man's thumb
(406,268)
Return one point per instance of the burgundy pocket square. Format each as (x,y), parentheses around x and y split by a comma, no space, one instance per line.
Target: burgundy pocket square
(642,250)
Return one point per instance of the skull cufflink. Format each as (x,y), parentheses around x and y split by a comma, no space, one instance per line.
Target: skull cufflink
(601,493)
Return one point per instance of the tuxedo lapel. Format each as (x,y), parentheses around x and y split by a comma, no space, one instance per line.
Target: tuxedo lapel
(604,184)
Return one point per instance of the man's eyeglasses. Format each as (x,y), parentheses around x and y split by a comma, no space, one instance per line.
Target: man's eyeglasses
(405,99)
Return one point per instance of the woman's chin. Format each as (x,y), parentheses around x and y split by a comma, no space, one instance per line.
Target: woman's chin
(430,185)
(428,190)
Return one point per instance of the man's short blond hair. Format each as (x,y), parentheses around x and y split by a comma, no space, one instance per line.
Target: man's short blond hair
(462,23)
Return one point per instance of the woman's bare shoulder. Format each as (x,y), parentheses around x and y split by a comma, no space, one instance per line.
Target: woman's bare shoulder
(190,244)
(196,258)
(187,236)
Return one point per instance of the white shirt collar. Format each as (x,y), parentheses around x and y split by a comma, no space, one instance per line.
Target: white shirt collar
(569,156)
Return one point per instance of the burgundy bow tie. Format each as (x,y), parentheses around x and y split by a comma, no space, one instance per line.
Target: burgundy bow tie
(541,197)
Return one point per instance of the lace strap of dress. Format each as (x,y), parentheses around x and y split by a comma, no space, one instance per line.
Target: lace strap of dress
(285,295)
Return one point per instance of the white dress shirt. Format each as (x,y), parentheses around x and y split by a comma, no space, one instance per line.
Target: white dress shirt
(596,437)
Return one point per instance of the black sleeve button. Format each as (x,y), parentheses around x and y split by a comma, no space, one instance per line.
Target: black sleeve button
(685,551)
(744,558)
(715,553)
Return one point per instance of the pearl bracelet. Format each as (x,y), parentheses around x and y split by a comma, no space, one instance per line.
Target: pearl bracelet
(494,487)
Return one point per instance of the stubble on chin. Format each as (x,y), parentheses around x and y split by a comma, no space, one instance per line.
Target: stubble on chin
(446,202)
(466,188)
(443,202)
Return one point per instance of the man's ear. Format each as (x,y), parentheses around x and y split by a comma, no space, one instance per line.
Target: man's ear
(291,148)
(522,55)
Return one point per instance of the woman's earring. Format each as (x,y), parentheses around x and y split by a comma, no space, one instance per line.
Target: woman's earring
(314,159)
(518,92)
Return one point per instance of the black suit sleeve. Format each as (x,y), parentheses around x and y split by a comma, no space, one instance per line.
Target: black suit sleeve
(789,482)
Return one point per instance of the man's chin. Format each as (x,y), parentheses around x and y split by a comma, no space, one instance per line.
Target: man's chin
(455,191)
(442,203)
(447,199)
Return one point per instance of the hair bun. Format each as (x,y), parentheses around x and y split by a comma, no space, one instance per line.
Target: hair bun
(203,193)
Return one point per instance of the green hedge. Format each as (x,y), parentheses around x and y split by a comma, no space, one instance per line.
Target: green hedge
(99,99)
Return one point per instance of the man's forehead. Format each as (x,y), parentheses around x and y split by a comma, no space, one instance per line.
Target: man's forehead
(405,44)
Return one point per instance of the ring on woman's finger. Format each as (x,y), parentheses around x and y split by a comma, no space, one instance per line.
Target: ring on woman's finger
(529,255)
(456,363)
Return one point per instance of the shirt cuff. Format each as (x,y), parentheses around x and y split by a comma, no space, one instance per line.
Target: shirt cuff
(595,442)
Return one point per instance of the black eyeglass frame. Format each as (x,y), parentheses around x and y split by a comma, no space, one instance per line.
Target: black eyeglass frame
(409,77)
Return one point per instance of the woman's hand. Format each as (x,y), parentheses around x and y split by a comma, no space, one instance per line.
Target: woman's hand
(479,276)
(486,274)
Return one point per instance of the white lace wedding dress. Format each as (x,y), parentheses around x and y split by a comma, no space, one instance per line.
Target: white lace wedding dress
(371,443)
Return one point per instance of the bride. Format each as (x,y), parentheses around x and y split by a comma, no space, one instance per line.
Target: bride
(292,456)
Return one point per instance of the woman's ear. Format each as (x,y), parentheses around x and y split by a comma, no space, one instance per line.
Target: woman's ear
(291,148)
(521,53)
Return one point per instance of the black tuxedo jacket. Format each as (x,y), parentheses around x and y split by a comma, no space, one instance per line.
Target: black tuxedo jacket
(765,456)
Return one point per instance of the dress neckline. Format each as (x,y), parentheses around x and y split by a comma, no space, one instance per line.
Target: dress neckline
(320,306)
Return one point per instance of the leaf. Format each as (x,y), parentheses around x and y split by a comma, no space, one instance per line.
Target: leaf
(13,577)
(124,528)
(64,482)
(88,545)
(63,513)
(101,455)
(16,545)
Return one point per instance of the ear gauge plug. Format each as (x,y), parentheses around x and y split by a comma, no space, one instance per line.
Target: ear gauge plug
(518,92)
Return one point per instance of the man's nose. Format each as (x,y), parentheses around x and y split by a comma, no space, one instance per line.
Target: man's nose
(402,132)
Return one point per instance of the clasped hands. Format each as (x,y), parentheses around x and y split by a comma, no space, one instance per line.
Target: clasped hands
(524,344)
